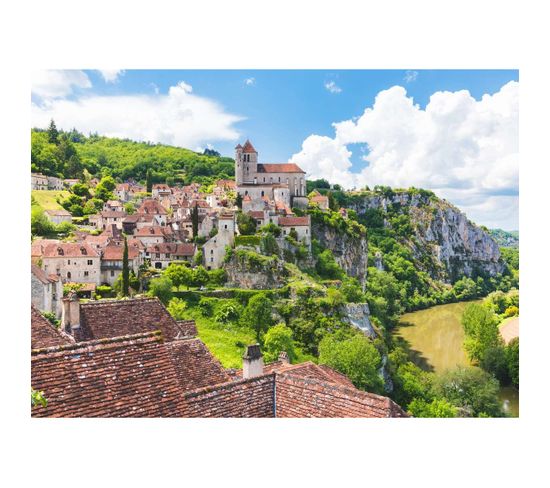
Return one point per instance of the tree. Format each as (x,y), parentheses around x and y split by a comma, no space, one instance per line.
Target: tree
(53,133)
(200,276)
(278,339)
(356,357)
(473,391)
(179,274)
(130,208)
(125,270)
(512,359)
(176,308)
(104,189)
(40,225)
(161,288)
(481,329)
(437,408)
(195,220)
(239,201)
(246,224)
(149,181)
(326,265)
(257,315)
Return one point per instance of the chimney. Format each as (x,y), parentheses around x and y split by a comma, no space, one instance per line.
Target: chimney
(253,363)
(70,314)
(283,357)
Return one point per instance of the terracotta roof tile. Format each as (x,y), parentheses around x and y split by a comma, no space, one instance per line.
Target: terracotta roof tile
(43,333)
(294,221)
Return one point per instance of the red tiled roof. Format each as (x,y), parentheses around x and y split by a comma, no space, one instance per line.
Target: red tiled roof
(183,249)
(319,198)
(256,214)
(195,366)
(248,147)
(279,168)
(293,221)
(131,376)
(152,230)
(111,214)
(44,334)
(188,328)
(116,253)
(113,318)
(40,274)
(69,250)
(151,206)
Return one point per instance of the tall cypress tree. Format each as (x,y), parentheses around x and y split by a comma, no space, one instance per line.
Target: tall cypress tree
(125,270)
(53,134)
(149,181)
(195,220)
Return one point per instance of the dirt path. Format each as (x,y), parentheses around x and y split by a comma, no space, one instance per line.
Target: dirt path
(510,329)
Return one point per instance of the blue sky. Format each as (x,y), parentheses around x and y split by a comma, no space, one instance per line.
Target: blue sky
(291,114)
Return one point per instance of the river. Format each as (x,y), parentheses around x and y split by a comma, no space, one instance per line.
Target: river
(436,336)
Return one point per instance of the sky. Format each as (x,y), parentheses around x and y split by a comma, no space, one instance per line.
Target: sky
(452,131)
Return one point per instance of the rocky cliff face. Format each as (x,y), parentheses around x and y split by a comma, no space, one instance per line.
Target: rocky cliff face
(244,272)
(357,314)
(350,252)
(442,239)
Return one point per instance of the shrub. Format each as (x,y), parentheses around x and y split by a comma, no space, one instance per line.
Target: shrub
(206,306)
(177,308)
(512,311)
(278,339)
(161,288)
(227,312)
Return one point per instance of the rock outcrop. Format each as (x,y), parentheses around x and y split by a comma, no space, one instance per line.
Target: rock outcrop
(357,314)
(443,241)
(254,271)
(349,252)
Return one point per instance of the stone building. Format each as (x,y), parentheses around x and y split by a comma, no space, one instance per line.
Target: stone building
(161,255)
(39,181)
(46,291)
(299,225)
(72,262)
(111,262)
(214,249)
(278,182)
(58,216)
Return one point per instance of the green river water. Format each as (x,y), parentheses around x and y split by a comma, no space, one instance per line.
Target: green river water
(435,336)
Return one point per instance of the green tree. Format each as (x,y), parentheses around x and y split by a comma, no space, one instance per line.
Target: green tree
(512,359)
(278,339)
(327,267)
(481,330)
(130,208)
(104,189)
(200,276)
(356,357)
(257,315)
(246,224)
(239,201)
(53,133)
(195,220)
(177,308)
(437,408)
(179,274)
(473,391)
(149,181)
(161,288)
(40,225)
(125,270)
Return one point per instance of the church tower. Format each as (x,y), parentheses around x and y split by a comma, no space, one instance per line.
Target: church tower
(250,162)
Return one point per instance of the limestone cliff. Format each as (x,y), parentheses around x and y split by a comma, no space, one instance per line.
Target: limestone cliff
(250,270)
(443,241)
(350,252)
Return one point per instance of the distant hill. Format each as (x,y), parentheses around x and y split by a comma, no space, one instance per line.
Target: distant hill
(505,238)
(71,154)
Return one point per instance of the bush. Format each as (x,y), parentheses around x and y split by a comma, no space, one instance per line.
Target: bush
(437,408)
(327,267)
(177,308)
(512,311)
(227,312)
(278,339)
(206,306)
(257,315)
(247,240)
(161,288)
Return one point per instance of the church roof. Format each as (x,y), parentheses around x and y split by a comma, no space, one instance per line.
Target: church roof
(248,147)
(280,168)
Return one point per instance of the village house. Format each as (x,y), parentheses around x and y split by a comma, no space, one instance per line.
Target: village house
(55,183)
(214,249)
(46,291)
(39,181)
(161,255)
(59,215)
(300,225)
(160,190)
(111,262)
(177,374)
(70,182)
(106,218)
(154,234)
(153,207)
(318,200)
(113,205)
(73,262)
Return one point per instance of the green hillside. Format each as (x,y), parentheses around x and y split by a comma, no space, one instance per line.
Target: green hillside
(47,199)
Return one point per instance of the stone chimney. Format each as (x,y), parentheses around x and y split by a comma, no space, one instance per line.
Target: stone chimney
(253,362)
(70,314)
(283,357)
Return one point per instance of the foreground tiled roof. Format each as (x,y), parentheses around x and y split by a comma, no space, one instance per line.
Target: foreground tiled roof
(129,376)
(195,366)
(113,318)
(44,334)
(279,168)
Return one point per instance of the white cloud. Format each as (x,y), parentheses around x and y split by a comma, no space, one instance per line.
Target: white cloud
(179,118)
(410,76)
(465,150)
(58,83)
(250,81)
(332,87)
(111,75)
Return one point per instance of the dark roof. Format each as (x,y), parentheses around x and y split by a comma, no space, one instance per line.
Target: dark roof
(279,168)
(195,366)
(113,318)
(129,376)
(43,333)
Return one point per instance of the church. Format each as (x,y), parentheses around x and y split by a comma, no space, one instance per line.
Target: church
(283,183)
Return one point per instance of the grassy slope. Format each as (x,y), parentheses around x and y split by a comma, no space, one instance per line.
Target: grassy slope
(46,198)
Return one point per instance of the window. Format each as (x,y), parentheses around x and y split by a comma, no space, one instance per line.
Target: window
(69,275)
(211,260)
(279,179)
(225,226)
(86,274)
(90,262)
(158,265)
(68,261)
(112,272)
(211,251)
(157,255)
(263,193)
(168,255)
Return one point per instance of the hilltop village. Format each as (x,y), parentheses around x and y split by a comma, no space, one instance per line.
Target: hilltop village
(85,357)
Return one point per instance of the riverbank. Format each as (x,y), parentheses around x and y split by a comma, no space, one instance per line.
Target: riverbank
(435,337)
